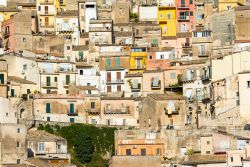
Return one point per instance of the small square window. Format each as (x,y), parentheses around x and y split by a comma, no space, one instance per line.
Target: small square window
(18,144)
(68,47)
(24,40)
(150,57)
(208,142)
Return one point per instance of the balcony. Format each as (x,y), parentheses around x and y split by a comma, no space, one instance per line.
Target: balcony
(49,84)
(117,81)
(183,18)
(182,6)
(205,78)
(93,111)
(47,26)
(75,113)
(6,34)
(66,70)
(47,71)
(186,45)
(46,2)
(206,98)
(170,112)
(156,85)
(163,5)
(188,79)
(67,83)
(136,88)
(124,110)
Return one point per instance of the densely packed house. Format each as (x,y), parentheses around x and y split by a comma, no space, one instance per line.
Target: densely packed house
(172,75)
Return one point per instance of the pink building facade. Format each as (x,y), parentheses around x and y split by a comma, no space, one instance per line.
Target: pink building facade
(185,15)
(8,30)
(160,59)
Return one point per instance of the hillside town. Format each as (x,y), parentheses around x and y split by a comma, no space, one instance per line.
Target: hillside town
(170,77)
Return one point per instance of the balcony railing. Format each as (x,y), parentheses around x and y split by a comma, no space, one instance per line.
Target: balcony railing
(183,18)
(117,81)
(75,113)
(186,45)
(47,71)
(70,70)
(136,88)
(67,83)
(124,110)
(47,26)
(46,2)
(93,111)
(49,84)
(206,98)
(184,6)
(188,79)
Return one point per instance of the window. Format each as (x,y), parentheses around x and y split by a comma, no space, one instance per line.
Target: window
(92,105)
(18,144)
(191,1)
(164,29)
(71,108)
(48,108)
(41,147)
(18,161)
(161,15)
(25,67)
(72,120)
(172,75)
(241,158)
(169,16)
(68,47)
(82,6)
(231,159)
(81,72)
(202,50)
(248,84)
(39,8)
(24,40)
(48,91)
(143,152)
(55,79)
(18,130)
(161,57)
(46,21)
(150,57)
(48,119)
(191,13)
(128,151)
(208,142)
(158,151)
(61,2)
(207,152)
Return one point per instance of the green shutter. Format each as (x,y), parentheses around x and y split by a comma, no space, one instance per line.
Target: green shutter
(118,62)
(80,54)
(12,92)
(48,81)
(108,63)
(71,108)
(67,79)
(47,107)
(154,42)
(2,78)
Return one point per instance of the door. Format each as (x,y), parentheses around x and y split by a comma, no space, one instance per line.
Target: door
(67,79)
(119,88)
(12,92)
(48,81)
(46,21)
(143,152)
(108,77)
(2,78)
(109,88)
(138,63)
(46,9)
(71,108)
(118,76)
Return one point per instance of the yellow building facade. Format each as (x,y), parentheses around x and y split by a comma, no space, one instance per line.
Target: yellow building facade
(228,4)
(60,5)
(5,13)
(138,60)
(167,20)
